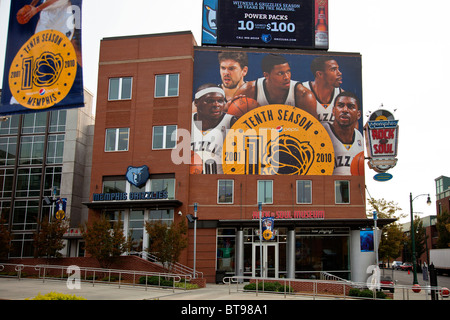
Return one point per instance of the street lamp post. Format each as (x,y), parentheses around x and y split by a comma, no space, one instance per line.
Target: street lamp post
(194,220)
(413,242)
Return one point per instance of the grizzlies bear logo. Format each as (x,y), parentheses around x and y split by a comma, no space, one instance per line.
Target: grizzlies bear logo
(138,176)
(288,155)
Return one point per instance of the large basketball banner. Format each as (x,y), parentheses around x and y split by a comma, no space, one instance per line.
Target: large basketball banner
(273,113)
(43,64)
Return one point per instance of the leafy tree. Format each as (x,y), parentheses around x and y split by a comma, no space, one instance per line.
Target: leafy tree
(392,237)
(167,242)
(385,209)
(5,239)
(48,239)
(103,242)
(443,229)
(391,244)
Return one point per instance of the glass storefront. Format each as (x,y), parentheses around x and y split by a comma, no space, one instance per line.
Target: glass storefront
(316,250)
(134,223)
(322,250)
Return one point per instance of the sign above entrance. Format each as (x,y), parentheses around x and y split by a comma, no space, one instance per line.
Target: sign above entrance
(297,214)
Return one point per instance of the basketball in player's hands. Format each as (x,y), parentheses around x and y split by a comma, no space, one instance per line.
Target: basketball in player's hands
(241,105)
(357,165)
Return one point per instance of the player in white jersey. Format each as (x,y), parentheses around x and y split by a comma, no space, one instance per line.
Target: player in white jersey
(347,141)
(277,87)
(55,14)
(262,98)
(209,127)
(325,86)
(324,110)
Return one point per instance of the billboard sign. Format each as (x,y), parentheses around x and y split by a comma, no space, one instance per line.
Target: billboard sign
(275,24)
(382,140)
(261,113)
(43,66)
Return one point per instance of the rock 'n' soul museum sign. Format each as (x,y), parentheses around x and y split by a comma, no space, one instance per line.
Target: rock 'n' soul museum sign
(382,140)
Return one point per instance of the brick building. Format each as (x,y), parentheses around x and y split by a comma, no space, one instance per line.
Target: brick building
(145,93)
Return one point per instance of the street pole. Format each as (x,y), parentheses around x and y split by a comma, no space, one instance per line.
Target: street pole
(375,218)
(413,242)
(195,237)
(260,240)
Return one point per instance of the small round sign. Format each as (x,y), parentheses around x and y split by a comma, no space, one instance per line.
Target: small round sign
(383,177)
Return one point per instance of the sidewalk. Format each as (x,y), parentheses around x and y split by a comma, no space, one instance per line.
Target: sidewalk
(13,289)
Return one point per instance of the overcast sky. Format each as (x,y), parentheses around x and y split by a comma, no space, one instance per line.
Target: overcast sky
(403,44)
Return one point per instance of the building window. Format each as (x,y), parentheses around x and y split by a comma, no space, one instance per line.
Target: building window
(265,191)
(52,180)
(58,121)
(22,246)
(117,139)
(6,182)
(164,185)
(5,210)
(120,88)
(25,215)
(136,229)
(55,148)
(304,191)
(34,122)
(163,216)
(225,191)
(28,182)
(10,126)
(166,85)
(31,150)
(164,137)
(226,245)
(114,185)
(342,191)
(8,148)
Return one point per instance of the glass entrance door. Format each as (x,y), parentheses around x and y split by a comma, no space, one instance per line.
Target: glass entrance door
(269,260)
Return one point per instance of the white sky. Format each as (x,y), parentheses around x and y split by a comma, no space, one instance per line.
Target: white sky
(403,44)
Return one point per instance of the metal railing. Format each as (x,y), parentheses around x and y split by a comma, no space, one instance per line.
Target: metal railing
(94,276)
(315,289)
(177,268)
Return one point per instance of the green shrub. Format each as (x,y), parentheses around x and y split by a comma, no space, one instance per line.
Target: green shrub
(366,293)
(56,296)
(155,281)
(268,286)
(354,292)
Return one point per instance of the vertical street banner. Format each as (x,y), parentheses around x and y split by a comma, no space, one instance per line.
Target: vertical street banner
(43,62)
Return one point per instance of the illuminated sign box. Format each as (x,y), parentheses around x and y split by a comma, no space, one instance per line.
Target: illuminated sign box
(274,24)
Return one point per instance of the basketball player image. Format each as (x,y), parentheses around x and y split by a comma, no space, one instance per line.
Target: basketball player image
(209,127)
(233,68)
(325,86)
(276,86)
(347,141)
(55,14)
